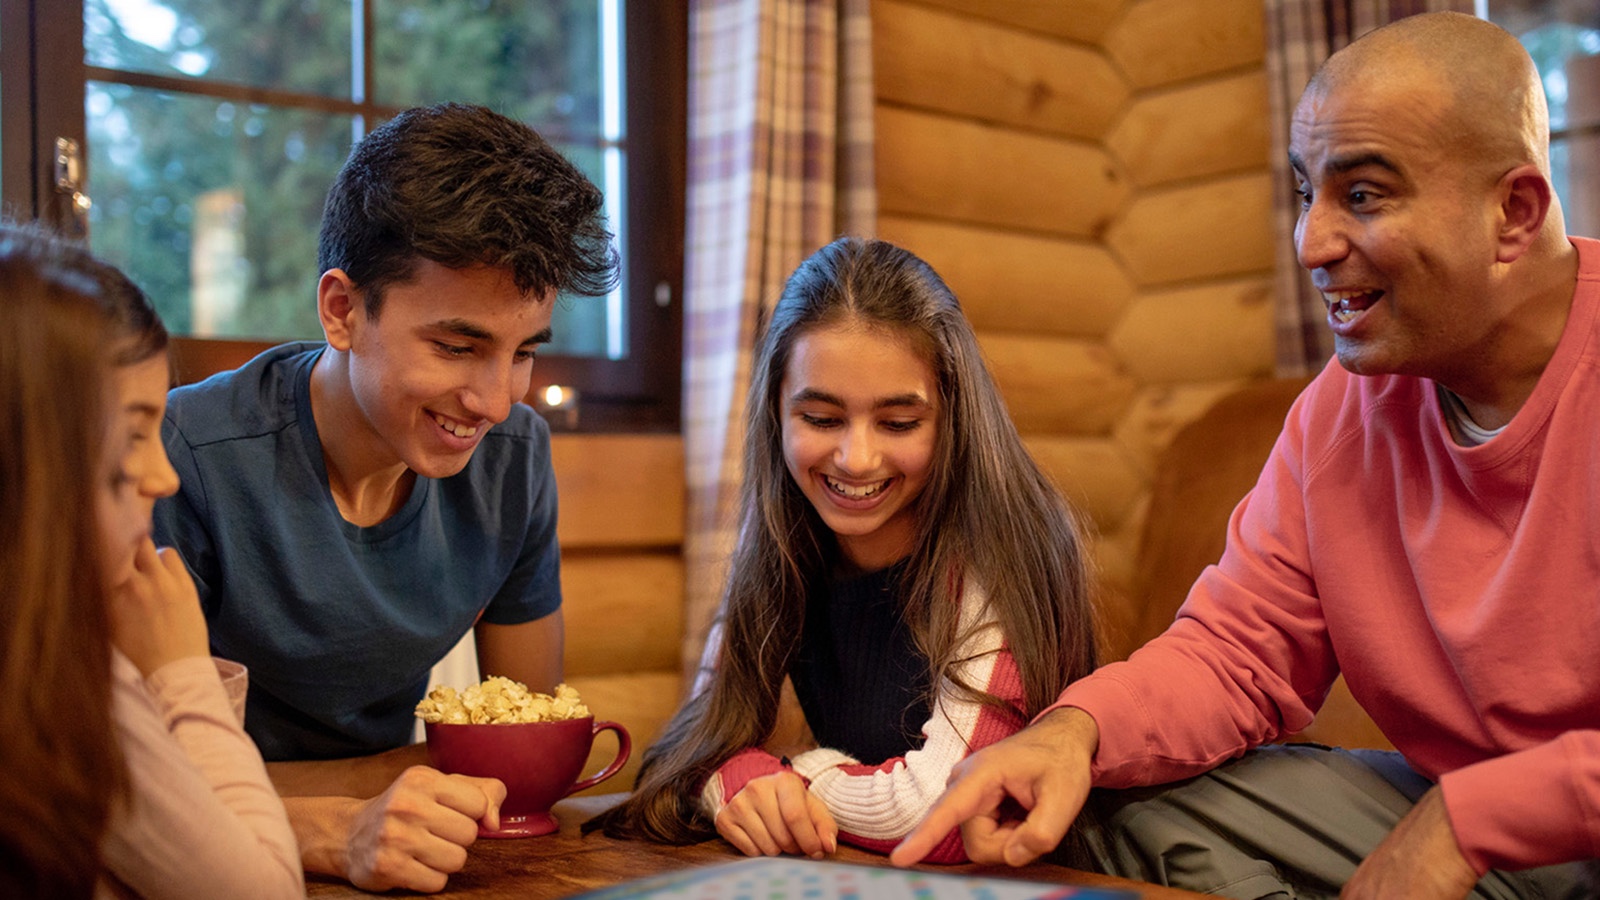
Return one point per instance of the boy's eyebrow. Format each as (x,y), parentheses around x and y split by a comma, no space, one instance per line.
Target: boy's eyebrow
(469,330)
(463,328)
(143,409)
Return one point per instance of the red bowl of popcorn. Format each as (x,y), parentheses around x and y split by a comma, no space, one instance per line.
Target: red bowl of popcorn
(537,747)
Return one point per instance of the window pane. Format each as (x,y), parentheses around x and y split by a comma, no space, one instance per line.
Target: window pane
(1563,37)
(213,207)
(293,45)
(581,324)
(537,62)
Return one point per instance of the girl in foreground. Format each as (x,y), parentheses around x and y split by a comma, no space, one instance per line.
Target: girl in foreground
(124,767)
(902,565)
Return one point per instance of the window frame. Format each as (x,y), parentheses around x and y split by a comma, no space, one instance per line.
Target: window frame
(42,81)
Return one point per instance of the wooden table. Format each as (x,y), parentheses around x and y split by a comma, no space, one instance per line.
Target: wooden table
(567,863)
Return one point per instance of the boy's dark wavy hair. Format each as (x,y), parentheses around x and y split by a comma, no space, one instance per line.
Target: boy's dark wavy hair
(465,186)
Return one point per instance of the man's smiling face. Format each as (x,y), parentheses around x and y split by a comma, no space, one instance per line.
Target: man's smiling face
(1396,225)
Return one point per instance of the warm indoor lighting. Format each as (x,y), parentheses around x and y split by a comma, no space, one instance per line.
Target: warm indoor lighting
(558,404)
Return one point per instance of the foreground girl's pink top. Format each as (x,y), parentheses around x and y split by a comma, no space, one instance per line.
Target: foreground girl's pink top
(1458,589)
(203,819)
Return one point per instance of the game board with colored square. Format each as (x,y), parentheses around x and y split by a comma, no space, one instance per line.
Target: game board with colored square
(804,879)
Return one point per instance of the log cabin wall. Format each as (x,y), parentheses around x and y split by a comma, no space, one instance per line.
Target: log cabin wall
(621,533)
(1092,179)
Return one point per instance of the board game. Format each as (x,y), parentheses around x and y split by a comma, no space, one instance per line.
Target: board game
(804,879)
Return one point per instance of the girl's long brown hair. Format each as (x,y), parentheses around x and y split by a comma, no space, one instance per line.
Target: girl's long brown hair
(60,767)
(987,513)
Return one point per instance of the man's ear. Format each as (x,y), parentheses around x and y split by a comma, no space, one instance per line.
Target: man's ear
(1525,199)
(338,307)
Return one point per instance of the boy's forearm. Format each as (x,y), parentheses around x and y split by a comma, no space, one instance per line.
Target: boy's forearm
(360,776)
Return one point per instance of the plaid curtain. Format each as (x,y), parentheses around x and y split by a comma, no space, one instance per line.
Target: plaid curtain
(1300,35)
(780,163)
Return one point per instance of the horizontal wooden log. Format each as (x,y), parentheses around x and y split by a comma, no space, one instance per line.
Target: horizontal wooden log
(953,64)
(623,611)
(1094,474)
(1011,281)
(1079,20)
(642,702)
(1159,412)
(1216,229)
(955,169)
(1210,332)
(1057,386)
(1210,127)
(1163,41)
(619,490)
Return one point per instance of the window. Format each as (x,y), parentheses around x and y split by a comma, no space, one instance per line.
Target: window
(1563,37)
(204,135)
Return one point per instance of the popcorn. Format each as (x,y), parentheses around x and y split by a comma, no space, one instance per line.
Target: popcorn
(499,701)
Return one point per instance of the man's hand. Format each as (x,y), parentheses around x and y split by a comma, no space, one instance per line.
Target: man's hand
(1419,859)
(1044,768)
(775,814)
(412,836)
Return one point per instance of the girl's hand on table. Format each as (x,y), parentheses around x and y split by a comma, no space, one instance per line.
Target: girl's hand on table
(776,814)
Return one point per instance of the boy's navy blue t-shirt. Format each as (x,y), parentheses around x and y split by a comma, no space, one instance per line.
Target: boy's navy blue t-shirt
(340,624)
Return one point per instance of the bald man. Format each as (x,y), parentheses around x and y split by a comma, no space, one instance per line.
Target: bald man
(1428,524)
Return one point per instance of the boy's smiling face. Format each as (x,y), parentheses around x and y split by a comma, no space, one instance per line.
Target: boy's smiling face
(442,362)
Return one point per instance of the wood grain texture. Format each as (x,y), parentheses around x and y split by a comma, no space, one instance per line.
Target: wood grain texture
(1158,412)
(1219,228)
(1204,128)
(1094,474)
(1165,41)
(1210,332)
(619,490)
(1007,76)
(1079,20)
(623,611)
(940,167)
(569,862)
(1055,386)
(1013,281)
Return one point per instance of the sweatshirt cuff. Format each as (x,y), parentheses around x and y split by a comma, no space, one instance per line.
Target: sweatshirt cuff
(1522,810)
(1120,758)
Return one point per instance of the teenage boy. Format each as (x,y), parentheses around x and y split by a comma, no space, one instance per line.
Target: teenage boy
(351,509)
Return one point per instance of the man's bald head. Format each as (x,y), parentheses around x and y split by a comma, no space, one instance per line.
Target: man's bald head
(1498,114)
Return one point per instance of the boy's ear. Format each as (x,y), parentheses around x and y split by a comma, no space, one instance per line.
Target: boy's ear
(338,306)
(1525,199)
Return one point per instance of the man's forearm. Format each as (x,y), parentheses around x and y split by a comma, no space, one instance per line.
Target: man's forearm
(360,776)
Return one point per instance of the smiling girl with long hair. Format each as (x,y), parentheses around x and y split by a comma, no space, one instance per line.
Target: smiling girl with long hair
(907,585)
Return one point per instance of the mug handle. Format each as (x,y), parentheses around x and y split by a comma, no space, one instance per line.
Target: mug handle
(624,748)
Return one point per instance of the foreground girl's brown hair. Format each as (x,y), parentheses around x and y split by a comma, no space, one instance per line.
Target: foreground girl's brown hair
(60,769)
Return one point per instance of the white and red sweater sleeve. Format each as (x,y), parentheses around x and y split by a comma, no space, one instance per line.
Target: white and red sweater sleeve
(877,805)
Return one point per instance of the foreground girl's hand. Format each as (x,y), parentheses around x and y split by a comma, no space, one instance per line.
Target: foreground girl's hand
(155,616)
(775,814)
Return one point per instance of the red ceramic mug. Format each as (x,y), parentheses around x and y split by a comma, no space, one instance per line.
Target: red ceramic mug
(538,761)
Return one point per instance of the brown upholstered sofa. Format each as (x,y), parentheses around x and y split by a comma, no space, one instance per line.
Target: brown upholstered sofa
(1209,466)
